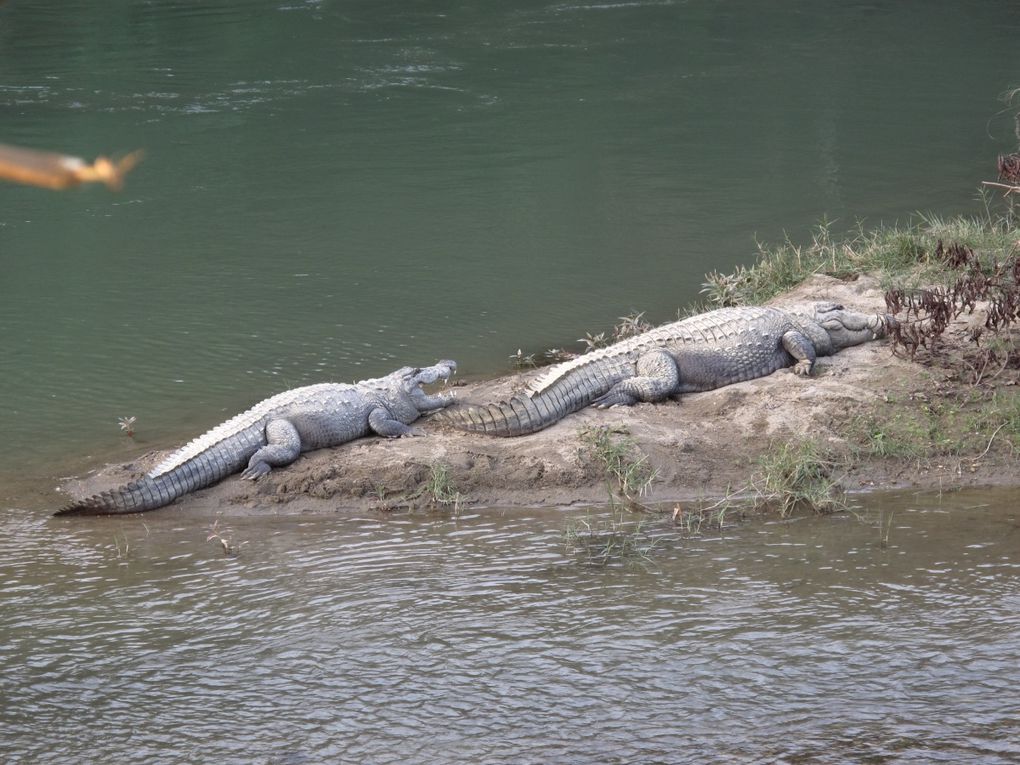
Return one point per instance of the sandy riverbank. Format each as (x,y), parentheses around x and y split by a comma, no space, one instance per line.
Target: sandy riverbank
(702,445)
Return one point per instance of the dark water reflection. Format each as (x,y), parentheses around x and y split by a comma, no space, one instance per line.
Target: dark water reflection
(483,639)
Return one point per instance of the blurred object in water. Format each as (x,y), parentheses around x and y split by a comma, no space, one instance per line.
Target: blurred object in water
(59,171)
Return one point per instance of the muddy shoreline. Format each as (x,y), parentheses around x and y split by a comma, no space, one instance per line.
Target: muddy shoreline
(702,446)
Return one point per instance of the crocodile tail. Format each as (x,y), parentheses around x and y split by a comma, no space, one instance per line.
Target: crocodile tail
(516,417)
(144,494)
(152,491)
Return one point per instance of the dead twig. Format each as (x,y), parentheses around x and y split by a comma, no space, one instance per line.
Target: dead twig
(1010,188)
(988,448)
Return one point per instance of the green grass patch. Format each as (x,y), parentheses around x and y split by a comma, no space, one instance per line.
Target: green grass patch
(438,489)
(798,475)
(600,541)
(900,256)
(627,472)
(695,519)
(929,427)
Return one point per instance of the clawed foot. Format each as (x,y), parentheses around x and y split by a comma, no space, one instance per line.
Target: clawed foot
(803,368)
(612,399)
(255,472)
(412,433)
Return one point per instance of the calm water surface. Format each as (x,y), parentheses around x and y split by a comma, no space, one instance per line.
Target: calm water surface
(433,639)
(334,189)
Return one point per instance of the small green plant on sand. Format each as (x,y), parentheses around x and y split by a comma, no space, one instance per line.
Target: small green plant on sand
(522,360)
(556,355)
(631,325)
(900,433)
(793,475)
(439,489)
(628,476)
(627,326)
(591,342)
(628,473)
(939,425)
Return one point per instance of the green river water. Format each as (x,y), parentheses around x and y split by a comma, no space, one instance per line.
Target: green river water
(331,190)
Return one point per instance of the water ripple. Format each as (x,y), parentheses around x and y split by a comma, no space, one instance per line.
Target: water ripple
(353,638)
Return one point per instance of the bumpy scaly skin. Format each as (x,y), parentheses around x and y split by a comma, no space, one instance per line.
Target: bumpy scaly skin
(700,353)
(275,431)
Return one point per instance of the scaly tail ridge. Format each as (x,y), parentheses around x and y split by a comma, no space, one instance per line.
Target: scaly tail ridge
(517,417)
(144,494)
(150,492)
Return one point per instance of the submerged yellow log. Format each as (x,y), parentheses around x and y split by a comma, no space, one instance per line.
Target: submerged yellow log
(59,171)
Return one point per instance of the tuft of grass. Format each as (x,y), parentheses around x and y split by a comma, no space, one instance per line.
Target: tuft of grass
(899,255)
(556,355)
(127,425)
(793,475)
(627,326)
(692,519)
(628,476)
(592,342)
(628,473)
(522,360)
(602,541)
(631,325)
(439,489)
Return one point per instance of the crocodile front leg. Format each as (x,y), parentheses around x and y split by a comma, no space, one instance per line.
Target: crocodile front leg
(382,423)
(656,379)
(802,349)
(282,448)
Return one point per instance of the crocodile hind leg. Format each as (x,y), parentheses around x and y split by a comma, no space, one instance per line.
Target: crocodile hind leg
(282,448)
(802,349)
(656,379)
